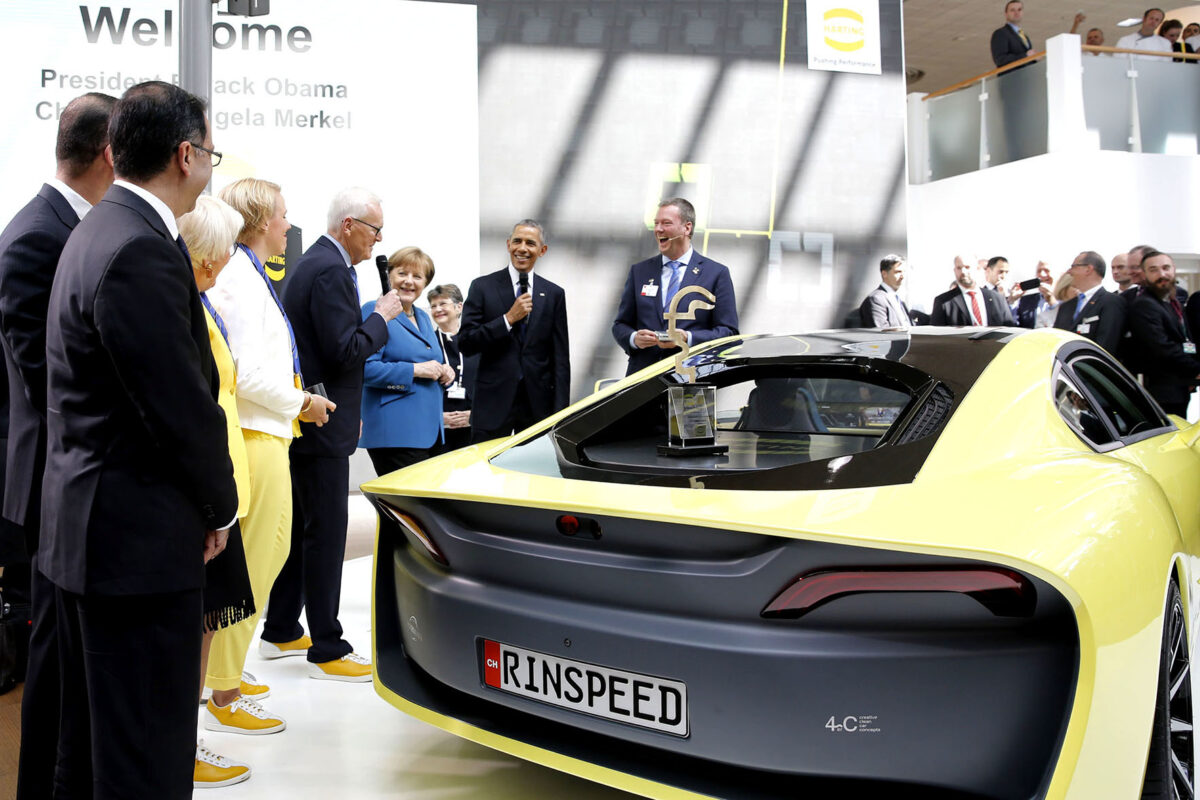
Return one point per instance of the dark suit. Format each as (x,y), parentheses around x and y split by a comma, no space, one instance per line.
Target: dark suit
(1128,352)
(877,312)
(137,470)
(1027,309)
(1008,46)
(1168,373)
(640,311)
(524,374)
(950,308)
(333,340)
(1104,316)
(29,250)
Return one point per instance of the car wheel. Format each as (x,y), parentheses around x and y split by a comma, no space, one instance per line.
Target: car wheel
(1170,765)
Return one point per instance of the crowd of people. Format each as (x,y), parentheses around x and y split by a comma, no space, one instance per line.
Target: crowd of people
(180,428)
(1156,34)
(1148,323)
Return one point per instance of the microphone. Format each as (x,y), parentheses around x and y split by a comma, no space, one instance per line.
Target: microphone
(523,281)
(381,263)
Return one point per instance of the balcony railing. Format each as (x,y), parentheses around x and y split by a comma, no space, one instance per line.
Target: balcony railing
(1067,98)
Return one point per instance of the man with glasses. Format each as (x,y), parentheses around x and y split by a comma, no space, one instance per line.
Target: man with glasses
(333,339)
(138,490)
(1096,313)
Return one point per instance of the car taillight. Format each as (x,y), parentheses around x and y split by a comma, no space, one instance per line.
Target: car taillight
(1003,592)
(412,527)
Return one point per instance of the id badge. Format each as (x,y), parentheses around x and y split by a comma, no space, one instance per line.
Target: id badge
(1083,328)
(1189,348)
(650,290)
(456,391)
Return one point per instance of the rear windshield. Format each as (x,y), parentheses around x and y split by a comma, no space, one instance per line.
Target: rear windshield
(778,426)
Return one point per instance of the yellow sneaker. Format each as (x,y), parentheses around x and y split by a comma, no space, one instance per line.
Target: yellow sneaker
(212,770)
(281,649)
(351,667)
(251,687)
(243,715)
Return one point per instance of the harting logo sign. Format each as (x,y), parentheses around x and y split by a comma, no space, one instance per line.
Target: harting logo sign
(844,30)
(844,35)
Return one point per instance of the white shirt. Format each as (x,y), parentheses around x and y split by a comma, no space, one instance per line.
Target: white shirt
(163,210)
(1135,41)
(267,397)
(1194,41)
(514,277)
(665,277)
(978,290)
(74,199)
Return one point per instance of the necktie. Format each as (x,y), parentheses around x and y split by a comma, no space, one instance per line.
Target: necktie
(216,317)
(522,288)
(904,317)
(1079,304)
(183,249)
(673,286)
(270,288)
(1024,38)
(1178,309)
(975,312)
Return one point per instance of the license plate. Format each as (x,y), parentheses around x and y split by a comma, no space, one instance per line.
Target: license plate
(659,704)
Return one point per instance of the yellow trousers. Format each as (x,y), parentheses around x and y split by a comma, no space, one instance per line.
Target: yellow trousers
(266,535)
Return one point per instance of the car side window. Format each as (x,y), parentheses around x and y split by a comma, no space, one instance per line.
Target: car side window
(1079,413)
(1123,404)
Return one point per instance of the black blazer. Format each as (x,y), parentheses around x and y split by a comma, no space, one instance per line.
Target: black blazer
(29,251)
(638,311)
(1027,308)
(950,308)
(544,361)
(137,460)
(1007,46)
(333,339)
(877,312)
(1104,316)
(1168,373)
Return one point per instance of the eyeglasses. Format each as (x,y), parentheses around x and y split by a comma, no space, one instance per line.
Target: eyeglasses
(443,304)
(377,228)
(1080,264)
(216,156)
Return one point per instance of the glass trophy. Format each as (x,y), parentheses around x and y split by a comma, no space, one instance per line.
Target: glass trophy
(691,421)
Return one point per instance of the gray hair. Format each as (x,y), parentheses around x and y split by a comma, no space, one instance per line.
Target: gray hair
(889,261)
(447,290)
(531,223)
(210,229)
(687,211)
(352,202)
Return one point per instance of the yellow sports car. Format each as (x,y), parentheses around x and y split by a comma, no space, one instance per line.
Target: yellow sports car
(902,563)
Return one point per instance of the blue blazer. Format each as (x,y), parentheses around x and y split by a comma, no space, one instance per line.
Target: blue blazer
(638,311)
(397,409)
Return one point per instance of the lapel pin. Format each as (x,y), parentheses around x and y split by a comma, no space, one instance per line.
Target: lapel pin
(695,270)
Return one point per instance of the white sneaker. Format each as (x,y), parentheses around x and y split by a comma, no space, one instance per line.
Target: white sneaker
(212,770)
(243,715)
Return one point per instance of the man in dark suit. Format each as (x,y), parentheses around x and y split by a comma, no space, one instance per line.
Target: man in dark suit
(516,324)
(652,283)
(321,300)
(29,250)
(1096,313)
(138,490)
(969,303)
(1170,367)
(1031,303)
(1128,353)
(1009,42)
(883,307)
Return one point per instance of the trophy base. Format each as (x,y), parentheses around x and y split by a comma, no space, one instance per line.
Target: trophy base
(679,451)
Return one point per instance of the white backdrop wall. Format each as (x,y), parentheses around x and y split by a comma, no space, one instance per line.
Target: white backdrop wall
(314,96)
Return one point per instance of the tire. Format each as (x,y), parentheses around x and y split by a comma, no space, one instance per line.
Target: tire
(1170,768)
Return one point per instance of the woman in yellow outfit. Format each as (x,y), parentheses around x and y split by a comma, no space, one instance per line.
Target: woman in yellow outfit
(209,231)
(269,401)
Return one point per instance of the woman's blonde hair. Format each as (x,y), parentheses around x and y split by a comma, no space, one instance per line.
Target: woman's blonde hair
(210,229)
(1064,282)
(255,200)
(412,257)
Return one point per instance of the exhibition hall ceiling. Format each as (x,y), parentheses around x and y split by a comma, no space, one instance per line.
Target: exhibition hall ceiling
(949,39)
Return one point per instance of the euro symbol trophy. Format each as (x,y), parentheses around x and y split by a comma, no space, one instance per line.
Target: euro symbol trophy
(691,407)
